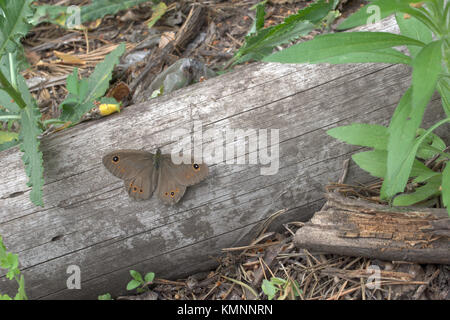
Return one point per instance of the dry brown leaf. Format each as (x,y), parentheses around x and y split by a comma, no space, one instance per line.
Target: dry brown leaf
(166,37)
(69,59)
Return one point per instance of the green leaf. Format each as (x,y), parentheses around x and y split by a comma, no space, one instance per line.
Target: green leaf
(21,295)
(413,28)
(387,55)
(133,284)
(6,136)
(91,89)
(374,162)
(400,160)
(105,296)
(402,132)
(32,157)
(100,8)
(443,87)
(317,11)
(12,261)
(330,46)
(260,43)
(14,24)
(8,145)
(433,141)
(2,247)
(136,276)
(368,13)
(5,297)
(446,186)
(407,118)
(278,281)
(269,289)
(7,260)
(50,13)
(366,135)
(8,103)
(72,82)
(431,188)
(15,94)
(258,24)
(158,11)
(149,277)
(97,9)
(426,69)
(296,288)
(140,290)
(426,176)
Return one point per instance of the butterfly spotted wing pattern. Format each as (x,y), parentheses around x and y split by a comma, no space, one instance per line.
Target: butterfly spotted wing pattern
(136,168)
(187,174)
(143,172)
(175,178)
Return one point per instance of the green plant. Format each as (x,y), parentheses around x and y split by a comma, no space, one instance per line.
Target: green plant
(139,282)
(17,102)
(260,41)
(10,262)
(426,181)
(285,287)
(84,92)
(18,105)
(105,296)
(424,28)
(158,11)
(62,15)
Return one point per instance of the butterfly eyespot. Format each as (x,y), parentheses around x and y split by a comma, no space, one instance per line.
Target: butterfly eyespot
(141,191)
(196,167)
(115,159)
(134,189)
(167,194)
(172,194)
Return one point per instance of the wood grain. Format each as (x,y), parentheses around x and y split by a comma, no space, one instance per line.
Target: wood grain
(358,228)
(89,220)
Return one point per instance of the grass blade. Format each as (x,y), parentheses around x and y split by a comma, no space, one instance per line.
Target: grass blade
(329,46)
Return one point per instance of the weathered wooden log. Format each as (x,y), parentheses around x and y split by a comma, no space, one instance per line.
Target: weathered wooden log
(358,228)
(90,221)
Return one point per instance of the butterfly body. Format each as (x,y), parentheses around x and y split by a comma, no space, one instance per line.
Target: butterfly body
(145,173)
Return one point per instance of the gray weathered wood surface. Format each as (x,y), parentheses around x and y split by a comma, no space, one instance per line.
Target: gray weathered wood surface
(89,220)
(359,228)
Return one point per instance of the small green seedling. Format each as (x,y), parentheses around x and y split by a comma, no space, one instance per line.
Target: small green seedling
(10,262)
(285,287)
(105,296)
(138,282)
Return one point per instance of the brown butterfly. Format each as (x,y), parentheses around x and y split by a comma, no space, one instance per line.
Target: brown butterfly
(143,172)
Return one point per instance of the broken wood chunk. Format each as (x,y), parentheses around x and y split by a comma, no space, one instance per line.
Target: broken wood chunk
(359,228)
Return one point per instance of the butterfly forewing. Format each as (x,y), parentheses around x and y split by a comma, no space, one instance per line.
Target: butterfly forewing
(187,174)
(136,168)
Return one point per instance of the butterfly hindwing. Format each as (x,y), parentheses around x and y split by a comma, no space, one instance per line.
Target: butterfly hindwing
(169,190)
(142,187)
